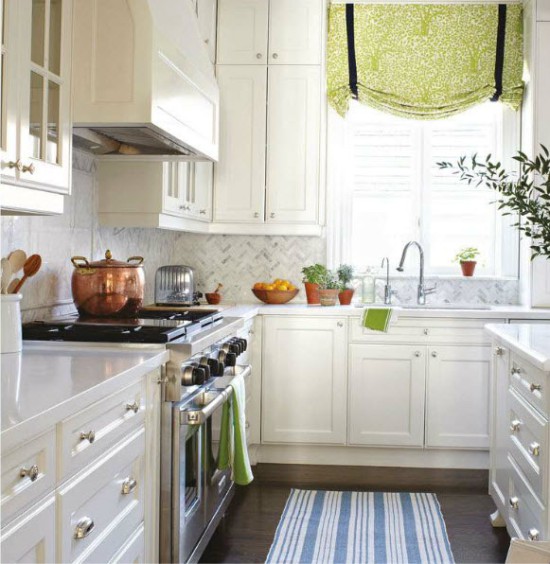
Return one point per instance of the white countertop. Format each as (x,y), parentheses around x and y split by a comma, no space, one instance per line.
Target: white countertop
(531,341)
(49,382)
(492,312)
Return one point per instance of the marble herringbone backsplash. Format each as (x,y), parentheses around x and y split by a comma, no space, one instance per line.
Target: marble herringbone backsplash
(235,261)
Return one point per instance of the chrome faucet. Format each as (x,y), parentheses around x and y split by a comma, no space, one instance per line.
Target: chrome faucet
(422,290)
(387,287)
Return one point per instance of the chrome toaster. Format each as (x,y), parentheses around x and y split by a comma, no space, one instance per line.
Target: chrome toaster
(175,285)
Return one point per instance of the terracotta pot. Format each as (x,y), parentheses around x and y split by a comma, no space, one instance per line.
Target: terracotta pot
(312,293)
(328,297)
(345,296)
(108,287)
(468,267)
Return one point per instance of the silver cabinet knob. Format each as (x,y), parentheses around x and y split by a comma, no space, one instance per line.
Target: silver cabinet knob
(128,486)
(514,502)
(533,534)
(133,406)
(534,449)
(28,168)
(83,528)
(499,351)
(89,436)
(535,387)
(247,425)
(275,55)
(258,55)
(426,332)
(340,324)
(434,354)
(417,354)
(515,425)
(271,215)
(256,214)
(202,212)
(515,370)
(18,165)
(31,472)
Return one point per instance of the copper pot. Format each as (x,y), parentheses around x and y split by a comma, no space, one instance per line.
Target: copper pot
(108,287)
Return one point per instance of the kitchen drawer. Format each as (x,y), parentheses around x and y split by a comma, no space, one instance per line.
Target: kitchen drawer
(530,382)
(133,549)
(529,441)
(425,331)
(105,422)
(525,512)
(97,502)
(31,537)
(36,458)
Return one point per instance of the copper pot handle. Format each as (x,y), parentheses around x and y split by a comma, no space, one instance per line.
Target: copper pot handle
(79,258)
(138,258)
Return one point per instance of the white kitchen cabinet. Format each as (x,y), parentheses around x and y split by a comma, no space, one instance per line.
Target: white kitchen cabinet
(242,31)
(207,17)
(304,373)
(175,187)
(295,32)
(458,384)
(36,130)
(386,395)
(31,538)
(278,31)
(293,141)
(240,173)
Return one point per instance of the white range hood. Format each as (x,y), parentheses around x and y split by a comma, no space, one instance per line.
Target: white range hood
(143,83)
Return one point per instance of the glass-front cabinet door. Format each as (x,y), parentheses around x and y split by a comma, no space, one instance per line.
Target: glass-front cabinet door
(45,128)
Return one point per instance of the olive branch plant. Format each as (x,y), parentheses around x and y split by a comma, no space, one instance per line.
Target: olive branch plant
(526,193)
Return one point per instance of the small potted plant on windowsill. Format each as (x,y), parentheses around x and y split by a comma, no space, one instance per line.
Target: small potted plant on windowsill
(328,289)
(345,274)
(466,257)
(313,276)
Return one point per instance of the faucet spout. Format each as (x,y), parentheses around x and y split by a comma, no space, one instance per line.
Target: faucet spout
(422,291)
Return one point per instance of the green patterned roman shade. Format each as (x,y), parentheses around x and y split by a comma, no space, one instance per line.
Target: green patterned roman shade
(424,61)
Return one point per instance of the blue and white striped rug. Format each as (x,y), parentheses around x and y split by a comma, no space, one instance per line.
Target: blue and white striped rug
(354,527)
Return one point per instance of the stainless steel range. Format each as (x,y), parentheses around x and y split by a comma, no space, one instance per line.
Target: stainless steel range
(207,350)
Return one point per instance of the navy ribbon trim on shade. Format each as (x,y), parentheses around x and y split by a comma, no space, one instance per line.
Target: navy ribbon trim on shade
(352,63)
(499,60)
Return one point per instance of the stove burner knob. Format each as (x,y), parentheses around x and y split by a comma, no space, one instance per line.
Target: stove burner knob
(230,359)
(216,367)
(235,348)
(244,344)
(193,375)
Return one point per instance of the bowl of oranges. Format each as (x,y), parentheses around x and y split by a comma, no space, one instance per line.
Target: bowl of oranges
(277,292)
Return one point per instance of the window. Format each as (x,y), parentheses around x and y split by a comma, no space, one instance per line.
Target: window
(394,191)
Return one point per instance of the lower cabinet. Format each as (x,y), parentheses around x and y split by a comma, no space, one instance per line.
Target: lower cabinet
(304,376)
(386,395)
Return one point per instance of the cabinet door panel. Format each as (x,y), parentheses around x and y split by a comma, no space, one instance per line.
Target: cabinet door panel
(293,136)
(206,13)
(386,395)
(240,173)
(458,397)
(203,178)
(295,32)
(242,31)
(304,380)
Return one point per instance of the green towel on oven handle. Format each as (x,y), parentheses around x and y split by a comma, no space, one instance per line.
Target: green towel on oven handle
(233,451)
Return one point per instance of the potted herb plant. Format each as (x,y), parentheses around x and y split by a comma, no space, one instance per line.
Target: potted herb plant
(467,259)
(329,288)
(345,274)
(313,276)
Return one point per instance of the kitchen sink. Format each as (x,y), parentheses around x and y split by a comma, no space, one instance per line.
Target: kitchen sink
(455,307)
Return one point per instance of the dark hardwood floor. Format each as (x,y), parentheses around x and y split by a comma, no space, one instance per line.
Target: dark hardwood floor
(246,532)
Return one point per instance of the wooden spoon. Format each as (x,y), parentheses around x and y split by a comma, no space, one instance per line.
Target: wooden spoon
(17,260)
(30,268)
(12,285)
(6,275)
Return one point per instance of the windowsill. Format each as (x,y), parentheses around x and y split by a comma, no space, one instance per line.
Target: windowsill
(451,277)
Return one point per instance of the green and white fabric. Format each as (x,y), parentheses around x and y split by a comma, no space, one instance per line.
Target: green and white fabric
(424,61)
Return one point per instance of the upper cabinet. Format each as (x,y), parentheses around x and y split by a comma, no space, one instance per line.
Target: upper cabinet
(36,120)
(281,32)
(206,14)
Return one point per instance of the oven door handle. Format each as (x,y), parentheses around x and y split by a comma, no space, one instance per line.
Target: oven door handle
(199,416)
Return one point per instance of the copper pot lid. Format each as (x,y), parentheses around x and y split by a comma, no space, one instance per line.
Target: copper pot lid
(107,262)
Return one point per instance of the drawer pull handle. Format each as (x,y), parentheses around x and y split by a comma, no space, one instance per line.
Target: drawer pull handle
(417,354)
(128,486)
(83,528)
(247,425)
(89,436)
(133,407)
(514,502)
(426,332)
(535,388)
(533,534)
(18,165)
(31,472)
(340,324)
(534,449)
(515,370)
(28,168)
(499,351)
(515,425)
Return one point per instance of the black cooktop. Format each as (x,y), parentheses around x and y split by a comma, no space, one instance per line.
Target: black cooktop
(152,326)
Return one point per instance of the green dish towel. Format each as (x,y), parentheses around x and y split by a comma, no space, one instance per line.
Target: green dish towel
(377,318)
(233,451)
